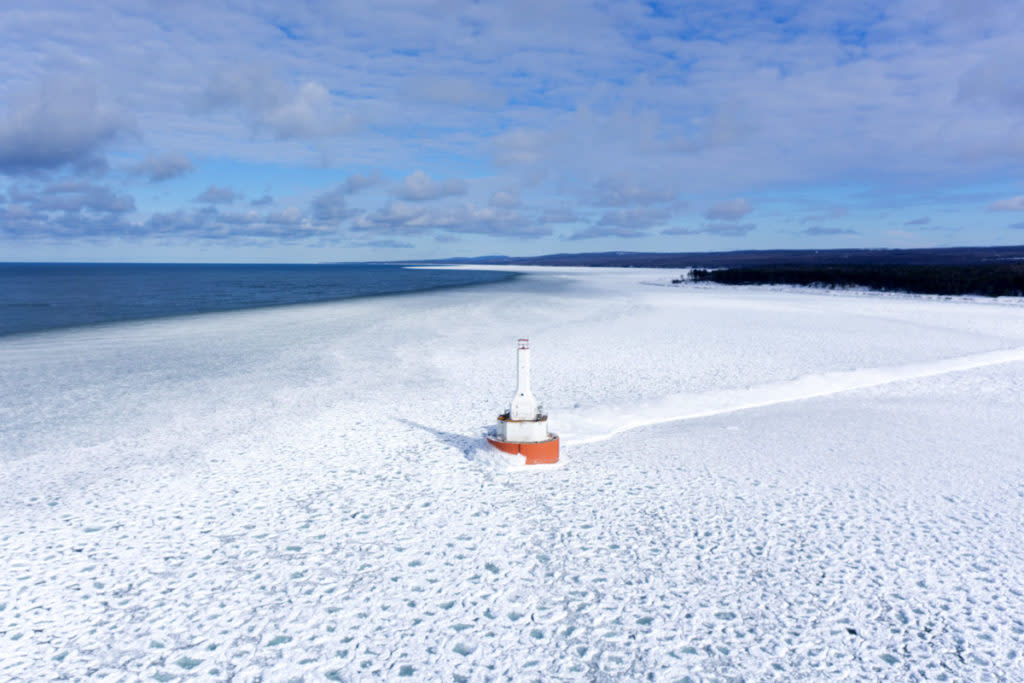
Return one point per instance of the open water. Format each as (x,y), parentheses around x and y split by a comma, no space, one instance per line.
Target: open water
(46,296)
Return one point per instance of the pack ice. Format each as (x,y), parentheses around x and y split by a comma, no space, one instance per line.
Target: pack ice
(756,483)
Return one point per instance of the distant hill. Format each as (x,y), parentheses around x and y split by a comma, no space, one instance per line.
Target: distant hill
(777,257)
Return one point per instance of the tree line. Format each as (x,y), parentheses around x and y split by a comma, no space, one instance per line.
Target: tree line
(985,280)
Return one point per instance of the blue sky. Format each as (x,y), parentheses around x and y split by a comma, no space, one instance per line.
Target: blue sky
(336,131)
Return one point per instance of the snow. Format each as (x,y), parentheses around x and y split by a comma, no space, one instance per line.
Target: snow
(755,482)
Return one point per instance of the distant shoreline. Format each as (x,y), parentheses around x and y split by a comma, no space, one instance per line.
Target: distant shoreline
(961,256)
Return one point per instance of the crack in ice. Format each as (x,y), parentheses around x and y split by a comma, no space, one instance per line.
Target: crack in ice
(578,427)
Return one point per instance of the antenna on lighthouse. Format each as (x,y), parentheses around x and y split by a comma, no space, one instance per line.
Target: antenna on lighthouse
(523,428)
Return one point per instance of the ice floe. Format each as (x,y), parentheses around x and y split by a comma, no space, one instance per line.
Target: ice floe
(305,492)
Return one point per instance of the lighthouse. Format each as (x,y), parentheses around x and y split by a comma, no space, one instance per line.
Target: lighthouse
(523,428)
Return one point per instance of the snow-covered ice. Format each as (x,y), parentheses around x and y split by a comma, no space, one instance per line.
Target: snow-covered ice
(765,483)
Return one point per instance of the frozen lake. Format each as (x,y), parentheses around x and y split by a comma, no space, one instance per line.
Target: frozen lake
(756,482)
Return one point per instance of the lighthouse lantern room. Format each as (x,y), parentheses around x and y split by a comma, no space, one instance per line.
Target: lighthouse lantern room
(523,428)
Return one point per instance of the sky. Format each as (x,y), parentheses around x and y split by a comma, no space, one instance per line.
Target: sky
(388,130)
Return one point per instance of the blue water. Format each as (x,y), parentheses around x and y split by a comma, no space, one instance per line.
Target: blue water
(46,296)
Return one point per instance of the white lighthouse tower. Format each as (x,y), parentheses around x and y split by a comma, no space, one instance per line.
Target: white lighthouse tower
(523,428)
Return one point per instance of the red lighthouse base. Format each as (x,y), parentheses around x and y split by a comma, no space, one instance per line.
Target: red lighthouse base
(537,452)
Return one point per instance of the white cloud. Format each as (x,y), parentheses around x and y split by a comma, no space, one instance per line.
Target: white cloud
(358,182)
(66,210)
(562,214)
(505,200)
(402,218)
(995,79)
(731,210)
(604,231)
(1011,204)
(332,206)
(210,224)
(636,218)
(457,91)
(62,121)
(73,197)
(722,229)
(520,147)
(217,195)
(160,168)
(827,214)
(819,231)
(621,192)
(420,187)
(286,110)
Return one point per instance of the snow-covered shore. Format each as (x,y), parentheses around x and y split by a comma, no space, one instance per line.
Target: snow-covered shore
(757,482)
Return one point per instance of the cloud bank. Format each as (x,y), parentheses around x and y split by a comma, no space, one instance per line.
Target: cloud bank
(391,118)
(60,122)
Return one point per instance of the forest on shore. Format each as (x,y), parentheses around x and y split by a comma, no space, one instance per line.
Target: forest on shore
(1004,279)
